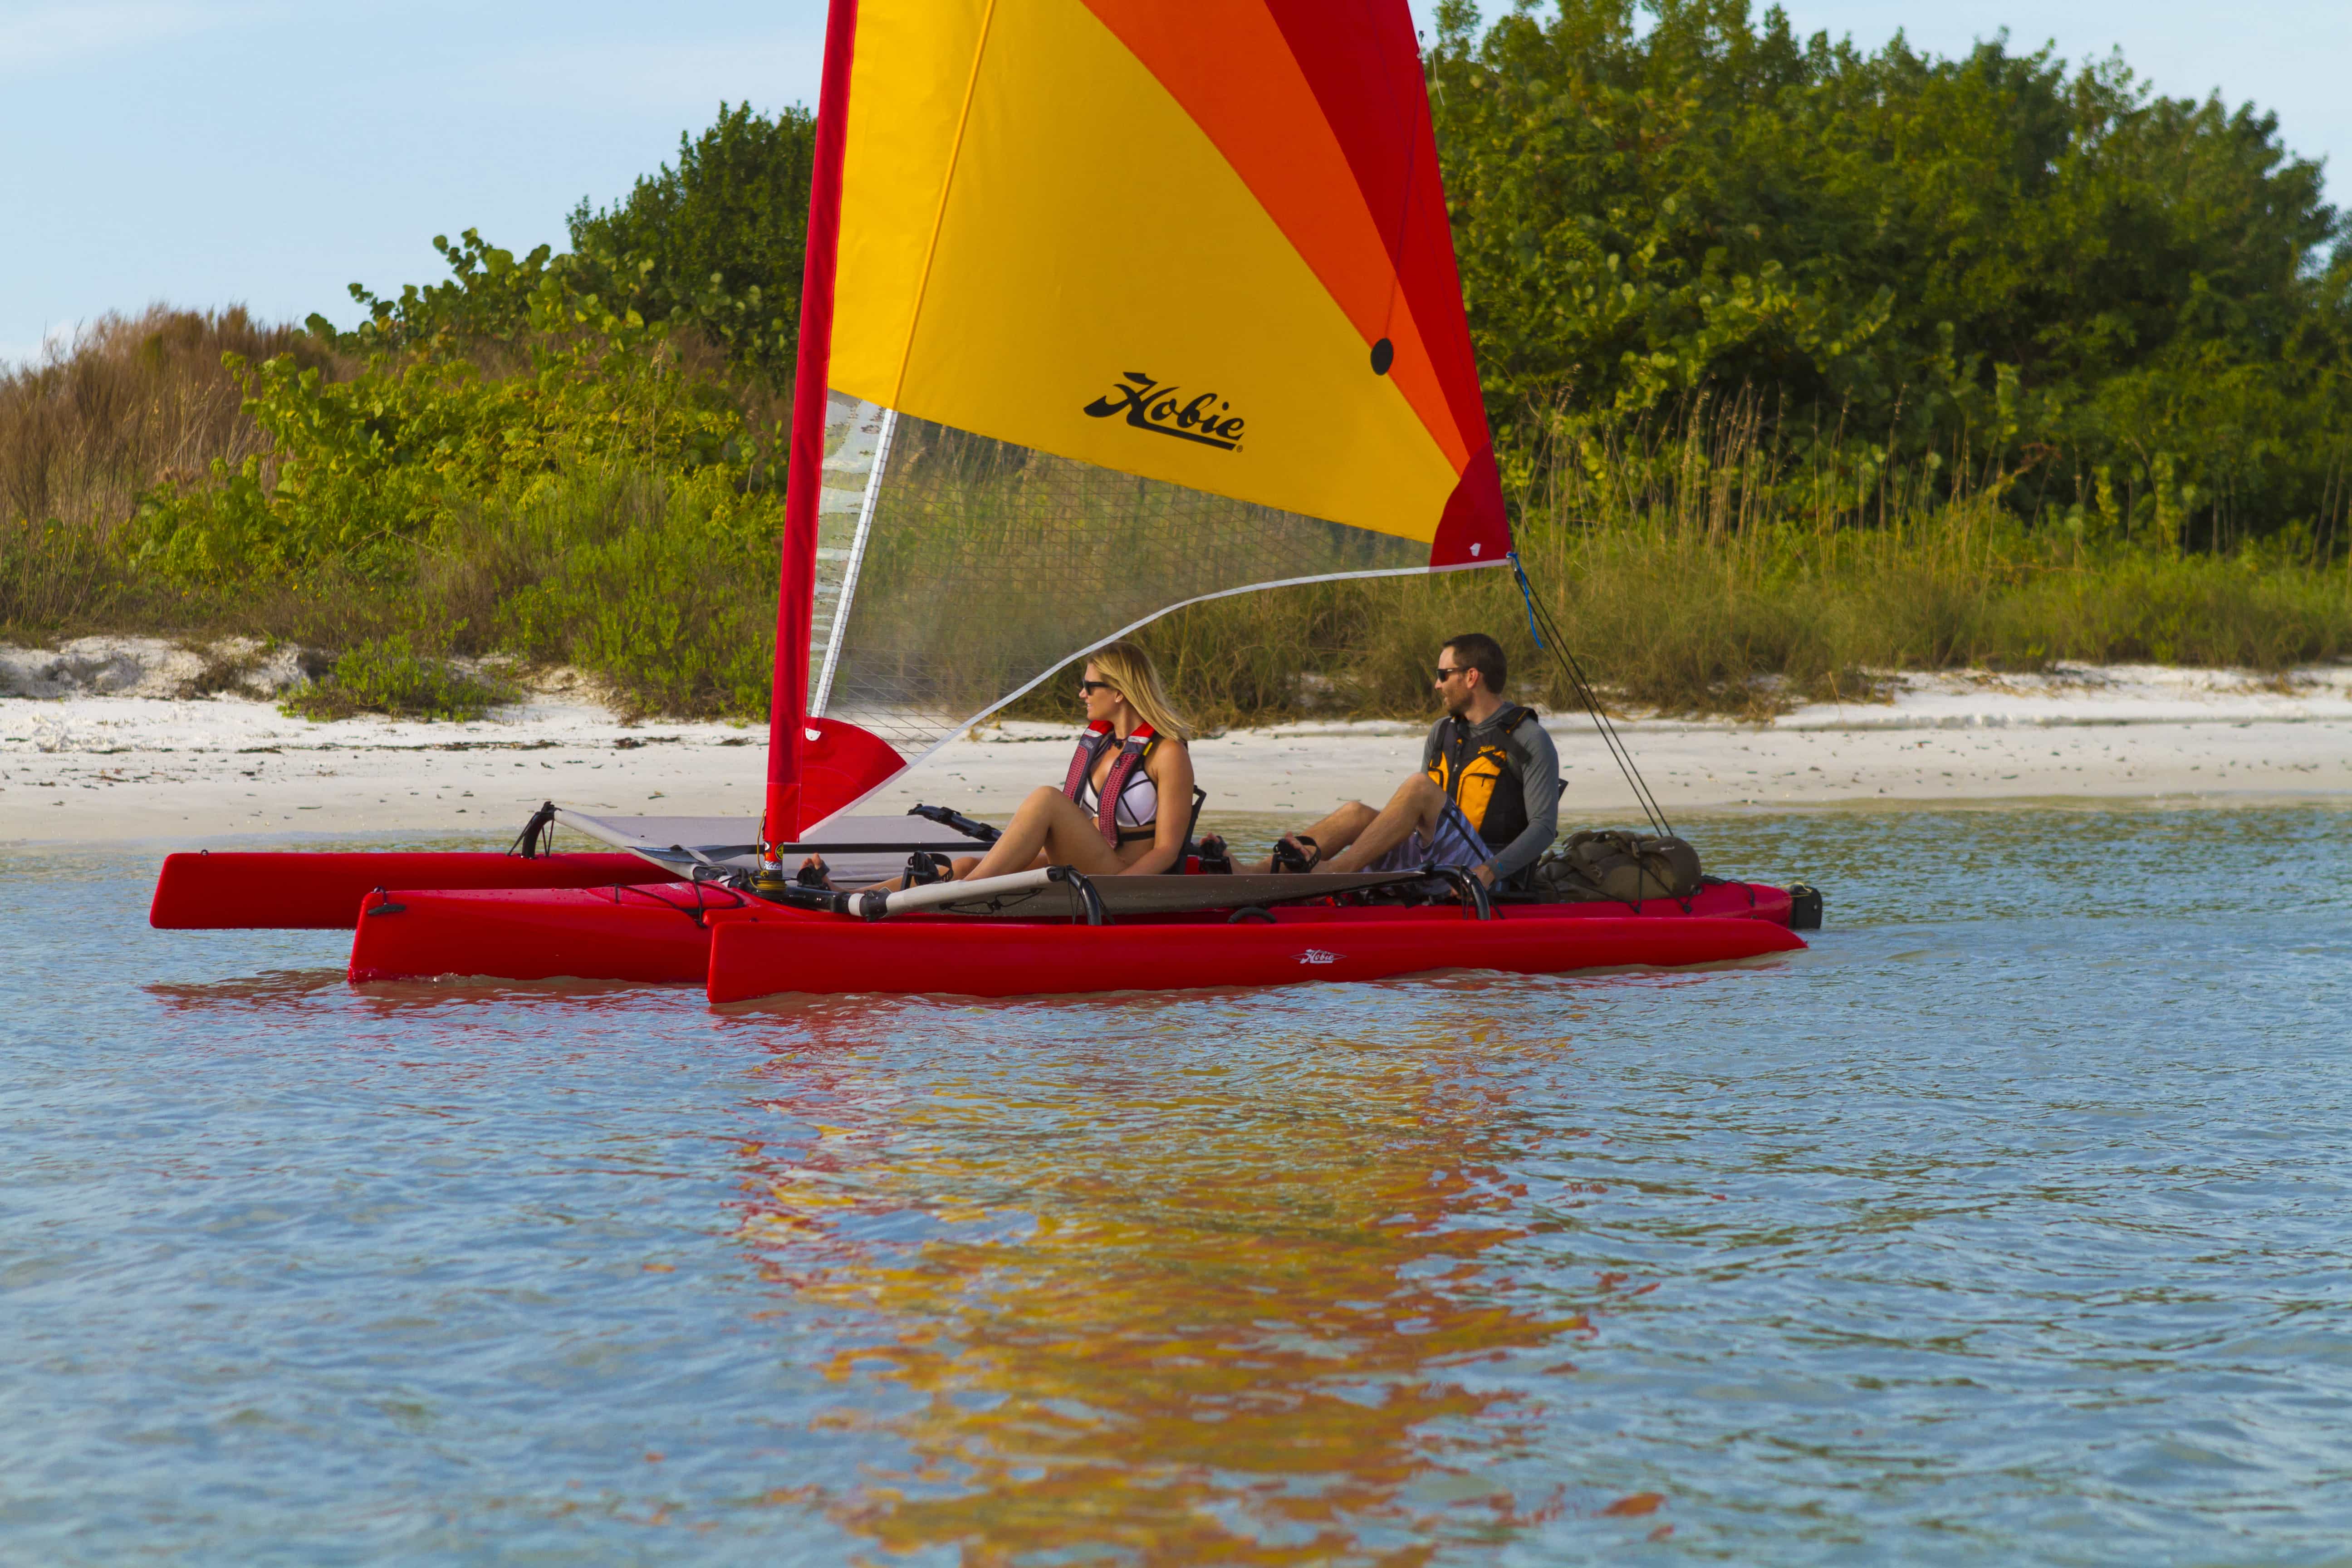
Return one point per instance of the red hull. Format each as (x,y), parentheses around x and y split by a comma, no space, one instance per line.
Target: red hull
(204,892)
(659,934)
(653,935)
(761,953)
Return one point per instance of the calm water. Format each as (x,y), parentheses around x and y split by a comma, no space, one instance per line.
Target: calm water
(2009,1225)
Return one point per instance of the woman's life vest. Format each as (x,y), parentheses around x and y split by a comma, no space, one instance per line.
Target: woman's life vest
(1486,780)
(1126,768)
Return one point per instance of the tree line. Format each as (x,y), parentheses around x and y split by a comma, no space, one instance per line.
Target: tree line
(2114,303)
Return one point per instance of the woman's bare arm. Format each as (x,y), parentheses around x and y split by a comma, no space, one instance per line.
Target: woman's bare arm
(1169,768)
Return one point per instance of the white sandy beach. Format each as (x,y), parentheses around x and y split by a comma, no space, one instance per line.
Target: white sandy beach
(129,767)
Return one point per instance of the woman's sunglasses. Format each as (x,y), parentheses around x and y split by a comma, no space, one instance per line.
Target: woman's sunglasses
(1088,688)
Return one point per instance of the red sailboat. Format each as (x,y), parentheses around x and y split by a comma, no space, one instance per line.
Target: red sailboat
(1110,307)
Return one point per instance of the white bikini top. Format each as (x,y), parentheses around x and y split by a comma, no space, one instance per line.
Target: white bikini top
(1139,803)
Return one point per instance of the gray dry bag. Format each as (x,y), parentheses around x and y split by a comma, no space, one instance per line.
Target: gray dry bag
(1625,868)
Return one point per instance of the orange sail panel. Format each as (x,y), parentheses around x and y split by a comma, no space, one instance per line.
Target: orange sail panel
(1204,243)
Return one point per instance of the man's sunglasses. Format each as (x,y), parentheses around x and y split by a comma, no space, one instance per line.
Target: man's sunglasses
(1444,675)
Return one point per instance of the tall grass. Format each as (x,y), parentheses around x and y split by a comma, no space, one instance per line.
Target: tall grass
(1699,568)
(628,571)
(94,425)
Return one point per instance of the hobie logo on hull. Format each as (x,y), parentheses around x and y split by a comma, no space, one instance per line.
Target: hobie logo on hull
(1167,411)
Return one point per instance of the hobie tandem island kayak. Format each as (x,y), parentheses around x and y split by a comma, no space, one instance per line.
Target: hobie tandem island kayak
(1181,931)
(1006,453)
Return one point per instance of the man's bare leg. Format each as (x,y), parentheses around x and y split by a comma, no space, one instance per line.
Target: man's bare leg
(1331,834)
(1416,806)
(958,869)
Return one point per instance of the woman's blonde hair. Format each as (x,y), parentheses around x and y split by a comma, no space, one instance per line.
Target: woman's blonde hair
(1128,670)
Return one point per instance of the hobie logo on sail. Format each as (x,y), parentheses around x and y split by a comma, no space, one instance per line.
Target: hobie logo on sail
(1167,411)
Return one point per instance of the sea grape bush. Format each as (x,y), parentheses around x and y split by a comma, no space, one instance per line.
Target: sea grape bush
(663,585)
(717,243)
(598,498)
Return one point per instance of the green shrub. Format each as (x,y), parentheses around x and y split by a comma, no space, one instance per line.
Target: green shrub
(362,472)
(389,675)
(664,589)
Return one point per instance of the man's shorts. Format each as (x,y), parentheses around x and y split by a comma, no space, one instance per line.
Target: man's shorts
(1456,843)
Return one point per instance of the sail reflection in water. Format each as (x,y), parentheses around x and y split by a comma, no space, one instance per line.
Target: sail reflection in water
(1225,1304)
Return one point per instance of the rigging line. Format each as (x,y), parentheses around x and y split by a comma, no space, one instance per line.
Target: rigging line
(1619,751)
(1647,800)
(947,188)
(1528,593)
(1641,792)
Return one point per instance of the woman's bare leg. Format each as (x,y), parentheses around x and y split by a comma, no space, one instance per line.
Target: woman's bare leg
(1049,824)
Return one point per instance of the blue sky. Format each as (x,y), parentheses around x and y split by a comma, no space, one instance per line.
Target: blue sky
(267,152)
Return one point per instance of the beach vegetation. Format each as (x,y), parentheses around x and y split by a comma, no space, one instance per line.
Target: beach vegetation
(392,676)
(1699,569)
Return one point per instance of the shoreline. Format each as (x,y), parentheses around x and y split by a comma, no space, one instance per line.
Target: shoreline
(133,769)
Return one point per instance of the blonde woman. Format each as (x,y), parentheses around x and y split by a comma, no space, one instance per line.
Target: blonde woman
(1134,749)
(1127,801)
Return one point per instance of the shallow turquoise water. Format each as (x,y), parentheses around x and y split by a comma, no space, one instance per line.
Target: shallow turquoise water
(2007,1226)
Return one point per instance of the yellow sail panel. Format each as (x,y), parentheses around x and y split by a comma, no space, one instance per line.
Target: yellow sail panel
(1039,245)
(910,82)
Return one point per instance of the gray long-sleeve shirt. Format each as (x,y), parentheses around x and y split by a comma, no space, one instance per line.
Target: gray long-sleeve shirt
(1538,764)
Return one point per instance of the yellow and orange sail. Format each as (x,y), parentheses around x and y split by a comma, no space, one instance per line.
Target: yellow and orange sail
(1054,242)
(1206,242)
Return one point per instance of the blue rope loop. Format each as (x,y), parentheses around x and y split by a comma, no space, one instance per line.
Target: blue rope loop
(1527,593)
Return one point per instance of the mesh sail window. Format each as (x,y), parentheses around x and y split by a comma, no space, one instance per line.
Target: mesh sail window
(986,566)
(1133,304)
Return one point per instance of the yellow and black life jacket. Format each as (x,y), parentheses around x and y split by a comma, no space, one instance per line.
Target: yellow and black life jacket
(1486,780)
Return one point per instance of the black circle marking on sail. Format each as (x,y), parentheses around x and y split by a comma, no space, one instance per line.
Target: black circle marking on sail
(1383,356)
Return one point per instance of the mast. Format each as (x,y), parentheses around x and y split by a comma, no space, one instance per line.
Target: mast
(803,476)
